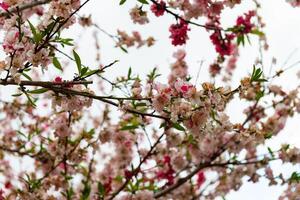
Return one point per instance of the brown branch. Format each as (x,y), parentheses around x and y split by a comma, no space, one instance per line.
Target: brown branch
(209,27)
(137,170)
(61,161)
(251,114)
(64,22)
(44,83)
(203,166)
(17,151)
(195,171)
(22,7)
(54,87)
(105,99)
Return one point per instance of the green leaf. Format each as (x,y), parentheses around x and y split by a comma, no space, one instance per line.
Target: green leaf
(162,125)
(257,32)
(153,74)
(140,104)
(17,95)
(38,91)
(91,72)
(129,127)
(271,152)
(285,147)
(268,135)
(69,193)
(37,37)
(66,41)
(22,134)
(56,63)
(129,73)
(78,61)
(259,95)
(178,127)
(48,29)
(29,99)
(257,75)
(123,49)
(241,40)
(122,2)
(191,139)
(101,190)
(295,177)
(143,1)
(26,76)
(83,71)
(86,192)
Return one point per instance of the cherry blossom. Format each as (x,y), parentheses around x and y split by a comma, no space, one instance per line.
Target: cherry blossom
(87,133)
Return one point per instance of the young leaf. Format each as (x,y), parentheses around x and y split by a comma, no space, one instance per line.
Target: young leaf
(129,73)
(78,61)
(66,41)
(143,1)
(86,192)
(90,73)
(56,63)
(257,32)
(17,95)
(101,190)
(123,49)
(271,152)
(257,75)
(83,71)
(29,99)
(178,127)
(241,40)
(129,127)
(26,76)
(36,35)
(122,2)
(38,91)
(295,177)
(259,95)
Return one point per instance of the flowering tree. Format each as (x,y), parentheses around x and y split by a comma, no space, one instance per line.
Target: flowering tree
(146,140)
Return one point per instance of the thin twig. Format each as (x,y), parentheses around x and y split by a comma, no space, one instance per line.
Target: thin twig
(23,7)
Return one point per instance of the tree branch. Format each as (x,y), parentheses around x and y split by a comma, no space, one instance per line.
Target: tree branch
(54,87)
(137,170)
(209,27)
(24,7)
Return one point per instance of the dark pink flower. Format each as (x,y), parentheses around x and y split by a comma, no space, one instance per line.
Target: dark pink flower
(58,79)
(200,178)
(224,45)
(4,6)
(245,22)
(179,33)
(128,174)
(159,8)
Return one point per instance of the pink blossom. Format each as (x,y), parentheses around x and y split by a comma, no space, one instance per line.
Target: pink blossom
(223,45)
(58,79)
(200,179)
(179,33)
(4,6)
(184,88)
(159,8)
(163,96)
(245,22)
